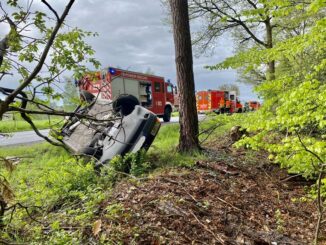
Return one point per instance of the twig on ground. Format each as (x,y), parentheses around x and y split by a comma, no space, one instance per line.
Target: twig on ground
(6,242)
(220,199)
(217,237)
(291,177)
(13,207)
(209,132)
(65,228)
(192,197)
(270,178)
(169,180)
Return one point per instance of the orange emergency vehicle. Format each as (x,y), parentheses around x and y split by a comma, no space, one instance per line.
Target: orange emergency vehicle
(217,101)
(238,106)
(253,105)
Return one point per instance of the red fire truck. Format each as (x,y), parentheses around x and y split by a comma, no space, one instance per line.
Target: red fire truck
(152,91)
(218,101)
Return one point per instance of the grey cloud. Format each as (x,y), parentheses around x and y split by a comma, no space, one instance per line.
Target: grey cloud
(132,35)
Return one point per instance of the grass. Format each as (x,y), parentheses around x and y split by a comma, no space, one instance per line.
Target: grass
(164,149)
(175,114)
(164,152)
(45,180)
(39,158)
(34,161)
(9,126)
(62,191)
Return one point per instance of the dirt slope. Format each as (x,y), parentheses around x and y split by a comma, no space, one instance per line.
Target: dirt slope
(214,203)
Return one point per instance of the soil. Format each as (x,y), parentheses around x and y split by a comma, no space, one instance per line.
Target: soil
(224,201)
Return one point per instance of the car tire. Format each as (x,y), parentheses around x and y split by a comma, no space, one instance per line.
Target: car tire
(125,104)
(167,114)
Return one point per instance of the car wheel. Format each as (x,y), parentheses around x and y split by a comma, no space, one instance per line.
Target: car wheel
(125,104)
(167,114)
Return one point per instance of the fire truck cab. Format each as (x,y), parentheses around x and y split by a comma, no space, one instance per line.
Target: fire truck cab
(152,91)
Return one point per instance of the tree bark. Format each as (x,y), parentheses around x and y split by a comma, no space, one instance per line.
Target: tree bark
(3,206)
(3,48)
(269,45)
(188,118)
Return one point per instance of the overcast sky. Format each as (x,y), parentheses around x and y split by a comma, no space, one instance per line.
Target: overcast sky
(133,35)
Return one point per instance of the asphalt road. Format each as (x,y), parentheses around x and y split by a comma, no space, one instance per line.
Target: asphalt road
(29,137)
(25,137)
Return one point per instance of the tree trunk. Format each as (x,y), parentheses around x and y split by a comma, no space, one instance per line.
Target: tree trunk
(3,49)
(269,42)
(3,206)
(188,119)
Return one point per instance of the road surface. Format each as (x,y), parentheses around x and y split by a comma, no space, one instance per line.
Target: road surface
(25,137)
(29,137)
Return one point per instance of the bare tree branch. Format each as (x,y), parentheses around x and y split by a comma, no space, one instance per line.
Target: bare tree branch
(60,113)
(52,10)
(307,150)
(215,9)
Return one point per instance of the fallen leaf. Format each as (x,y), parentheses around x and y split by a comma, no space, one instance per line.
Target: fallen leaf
(97,227)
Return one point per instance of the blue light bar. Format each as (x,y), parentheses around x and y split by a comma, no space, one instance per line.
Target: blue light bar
(112,71)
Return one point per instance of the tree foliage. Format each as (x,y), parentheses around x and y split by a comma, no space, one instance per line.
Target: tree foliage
(291,125)
(38,48)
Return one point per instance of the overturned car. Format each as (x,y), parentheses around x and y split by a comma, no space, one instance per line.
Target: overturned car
(103,129)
